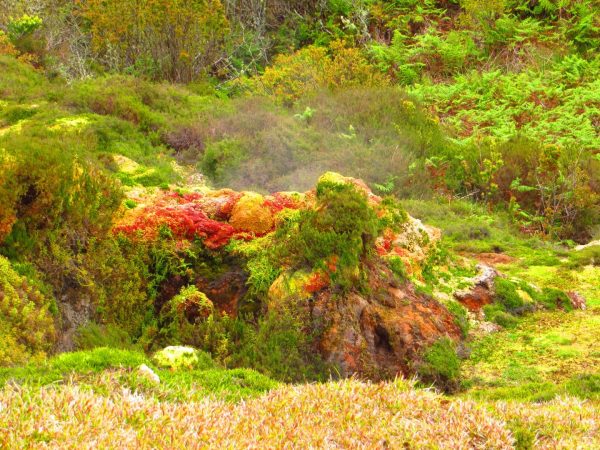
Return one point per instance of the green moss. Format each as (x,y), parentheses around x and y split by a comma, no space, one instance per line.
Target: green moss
(496,313)
(441,365)
(104,370)
(506,294)
(460,316)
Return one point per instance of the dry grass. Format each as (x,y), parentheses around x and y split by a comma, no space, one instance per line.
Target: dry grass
(347,414)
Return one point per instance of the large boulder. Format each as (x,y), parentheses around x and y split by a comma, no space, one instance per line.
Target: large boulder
(378,335)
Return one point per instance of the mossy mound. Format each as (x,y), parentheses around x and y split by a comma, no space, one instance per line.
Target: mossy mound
(183,358)
(251,214)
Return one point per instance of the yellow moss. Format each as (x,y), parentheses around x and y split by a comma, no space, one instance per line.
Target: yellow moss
(125,164)
(72,123)
(250,214)
(289,288)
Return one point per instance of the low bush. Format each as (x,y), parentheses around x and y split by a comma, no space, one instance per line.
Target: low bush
(335,236)
(589,256)
(460,316)
(497,314)
(505,292)
(553,298)
(93,336)
(27,325)
(584,386)
(440,365)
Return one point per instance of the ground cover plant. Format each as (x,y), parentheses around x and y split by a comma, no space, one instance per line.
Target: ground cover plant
(333,223)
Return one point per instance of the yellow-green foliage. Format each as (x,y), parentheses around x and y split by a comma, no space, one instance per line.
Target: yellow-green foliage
(313,67)
(336,235)
(174,39)
(183,358)
(181,314)
(26,324)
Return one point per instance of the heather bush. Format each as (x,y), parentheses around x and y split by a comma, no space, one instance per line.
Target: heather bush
(27,325)
(440,365)
(314,67)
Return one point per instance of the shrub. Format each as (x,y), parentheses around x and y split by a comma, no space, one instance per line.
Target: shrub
(497,314)
(335,236)
(584,386)
(312,68)
(589,256)
(440,365)
(460,316)
(555,298)
(7,47)
(79,198)
(26,324)
(93,335)
(181,313)
(282,348)
(128,35)
(505,292)
(222,158)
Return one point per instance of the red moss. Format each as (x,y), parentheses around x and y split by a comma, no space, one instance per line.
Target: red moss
(384,243)
(280,201)
(318,280)
(184,217)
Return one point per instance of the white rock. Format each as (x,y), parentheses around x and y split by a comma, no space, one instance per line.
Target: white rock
(146,372)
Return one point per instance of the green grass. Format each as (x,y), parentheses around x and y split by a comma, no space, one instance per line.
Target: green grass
(541,357)
(104,370)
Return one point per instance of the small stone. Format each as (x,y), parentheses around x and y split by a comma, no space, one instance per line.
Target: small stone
(147,373)
(577,300)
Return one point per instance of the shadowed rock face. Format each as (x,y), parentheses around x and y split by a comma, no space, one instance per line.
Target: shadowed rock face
(226,291)
(378,335)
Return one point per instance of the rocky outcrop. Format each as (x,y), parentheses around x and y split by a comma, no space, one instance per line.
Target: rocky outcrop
(482,291)
(381,334)
(366,319)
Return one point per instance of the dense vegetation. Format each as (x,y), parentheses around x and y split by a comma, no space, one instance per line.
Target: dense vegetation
(125,124)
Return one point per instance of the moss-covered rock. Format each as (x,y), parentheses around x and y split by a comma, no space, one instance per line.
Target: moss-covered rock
(183,358)
(252,215)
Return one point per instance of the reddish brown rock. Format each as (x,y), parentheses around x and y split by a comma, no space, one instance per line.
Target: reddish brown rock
(481,293)
(475,299)
(378,335)
(225,291)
